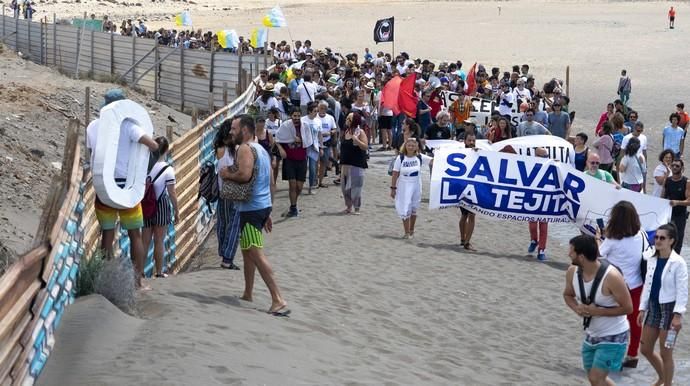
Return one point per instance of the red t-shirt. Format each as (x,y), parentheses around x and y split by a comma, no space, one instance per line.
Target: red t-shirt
(435,102)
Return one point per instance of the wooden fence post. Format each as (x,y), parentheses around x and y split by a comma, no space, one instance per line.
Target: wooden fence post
(195,116)
(87,113)
(134,55)
(54,40)
(225,93)
(112,54)
(169,133)
(93,34)
(42,42)
(211,104)
(28,34)
(213,65)
(16,34)
(156,74)
(239,74)
(567,81)
(266,54)
(182,81)
(256,63)
(3,24)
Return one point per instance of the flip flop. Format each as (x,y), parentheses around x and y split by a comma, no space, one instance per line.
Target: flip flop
(282,311)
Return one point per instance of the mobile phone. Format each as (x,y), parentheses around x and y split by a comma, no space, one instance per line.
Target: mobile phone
(600,224)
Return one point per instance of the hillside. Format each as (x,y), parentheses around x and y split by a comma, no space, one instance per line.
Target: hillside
(36,103)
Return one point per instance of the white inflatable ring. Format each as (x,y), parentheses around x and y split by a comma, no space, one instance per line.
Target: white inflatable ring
(111,119)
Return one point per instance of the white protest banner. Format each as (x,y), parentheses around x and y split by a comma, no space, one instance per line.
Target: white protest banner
(519,188)
(557,148)
(481,108)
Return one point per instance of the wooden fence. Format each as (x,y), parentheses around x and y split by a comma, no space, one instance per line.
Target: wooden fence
(36,289)
(178,77)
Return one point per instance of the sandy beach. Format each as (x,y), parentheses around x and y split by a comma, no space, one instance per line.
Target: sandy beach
(370,308)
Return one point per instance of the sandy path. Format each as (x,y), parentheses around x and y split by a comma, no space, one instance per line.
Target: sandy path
(368,308)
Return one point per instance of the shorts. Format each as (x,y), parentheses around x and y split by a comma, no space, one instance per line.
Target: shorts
(605,353)
(326,154)
(659,315)
(251,224)
(294,170)
(385,122)
(465,212)
(132,218)
(163,215)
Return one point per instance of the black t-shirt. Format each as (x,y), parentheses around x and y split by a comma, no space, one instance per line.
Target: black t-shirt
(675,190)
(434,131)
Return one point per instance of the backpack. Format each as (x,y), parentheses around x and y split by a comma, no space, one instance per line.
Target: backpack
(615,148)
(148,203)
(208,184)
(592,292)
(402,157)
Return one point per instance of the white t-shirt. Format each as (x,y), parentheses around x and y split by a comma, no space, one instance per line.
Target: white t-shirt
(263,107)
(410,168)
(307,92)
(272,126)
(166,178)
(327,124)
(643,142)
(505,103)
(633,174)
(277,87)
(625,254)
(315,126)
(129,132)
(660,171)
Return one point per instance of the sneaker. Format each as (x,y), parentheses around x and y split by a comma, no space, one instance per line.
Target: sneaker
(541,256)
(532,246)
(293,212)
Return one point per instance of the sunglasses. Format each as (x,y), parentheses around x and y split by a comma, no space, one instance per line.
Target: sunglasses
(594,163)
(662,238)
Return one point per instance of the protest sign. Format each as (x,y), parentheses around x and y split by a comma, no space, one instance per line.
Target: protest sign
(520,188)
(557,148)
(481,108)
(88,24)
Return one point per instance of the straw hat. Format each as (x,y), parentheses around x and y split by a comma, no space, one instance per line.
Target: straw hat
(369,86)
(268,87)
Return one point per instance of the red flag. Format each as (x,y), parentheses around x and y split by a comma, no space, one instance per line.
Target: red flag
(389,96)
(471,80)
(407,98)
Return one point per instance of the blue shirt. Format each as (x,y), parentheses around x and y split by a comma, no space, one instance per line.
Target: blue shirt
(673,138)
(261,195)
(656,281)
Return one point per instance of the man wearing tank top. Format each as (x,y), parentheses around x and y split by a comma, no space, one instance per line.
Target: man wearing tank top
(607,332)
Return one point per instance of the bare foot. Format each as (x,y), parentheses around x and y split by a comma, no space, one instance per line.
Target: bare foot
(658,383)
(246,298)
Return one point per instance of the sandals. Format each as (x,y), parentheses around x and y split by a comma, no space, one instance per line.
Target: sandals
(468,246)
(162,275)
(230,266)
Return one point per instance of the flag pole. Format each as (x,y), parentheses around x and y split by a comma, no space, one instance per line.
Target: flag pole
(393,54)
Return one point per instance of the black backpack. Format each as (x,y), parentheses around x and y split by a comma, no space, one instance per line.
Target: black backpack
(208,184)
(592,291)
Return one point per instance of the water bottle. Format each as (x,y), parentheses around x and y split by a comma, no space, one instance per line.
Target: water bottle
(671,338)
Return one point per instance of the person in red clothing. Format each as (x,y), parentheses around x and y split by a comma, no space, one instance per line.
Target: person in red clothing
(605,116)
(684,117)
(436,101)
(671,17)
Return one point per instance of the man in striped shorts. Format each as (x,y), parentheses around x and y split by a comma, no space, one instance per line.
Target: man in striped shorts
(255,214)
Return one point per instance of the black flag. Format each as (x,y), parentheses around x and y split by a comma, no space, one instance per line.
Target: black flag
(383,30)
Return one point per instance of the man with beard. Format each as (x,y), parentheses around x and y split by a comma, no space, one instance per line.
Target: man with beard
(292,141)
(255,214)
(677,191)
(603,309)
